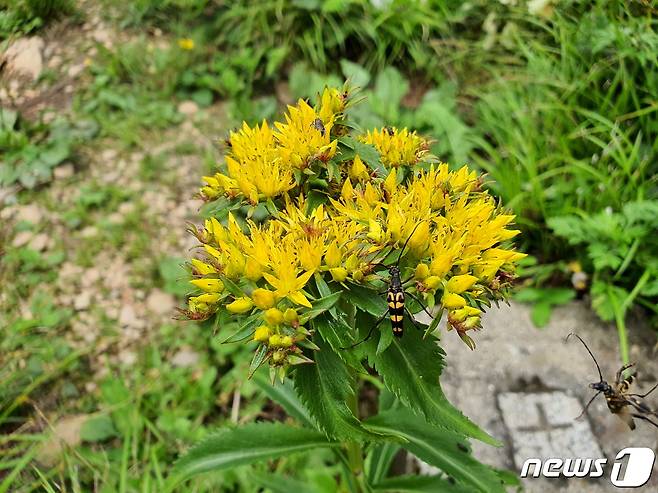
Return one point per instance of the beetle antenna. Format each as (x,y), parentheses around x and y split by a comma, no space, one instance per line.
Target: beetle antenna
(590,353)
(407,242)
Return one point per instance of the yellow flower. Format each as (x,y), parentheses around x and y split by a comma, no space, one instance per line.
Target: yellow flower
(422,272)
(290,316)
(240,305)
(288,284)
(202,268)
(263,298)
(339,274)
(358,171)
(186,43)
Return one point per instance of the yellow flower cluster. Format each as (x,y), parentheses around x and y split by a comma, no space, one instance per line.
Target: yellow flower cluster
(272,270)
(397,147)
(262,160)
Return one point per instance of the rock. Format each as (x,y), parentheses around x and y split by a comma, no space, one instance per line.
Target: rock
(82,301)
(24,57)
(128,318)
(126,208)
(109,155)
(103,36)
(185,358)
(64,171)
(21,239)
(30,213)
(55,61)
(127,358)
(89,232)
(160,303)
(75,70)
(65,433)
(188,108)
(39,242)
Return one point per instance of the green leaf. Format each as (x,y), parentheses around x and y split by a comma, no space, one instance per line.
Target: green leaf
(246,329)
(230,448)
(359,76)
(174,275)
(98,428)
(379,459)
(541,313)
(334,331)
(320,306)
(411,367)
(325,388)
(439,448)
(390,88)
(366,152)
(418,484)
(366,300)
(259,358)
(285,396)
(277,483)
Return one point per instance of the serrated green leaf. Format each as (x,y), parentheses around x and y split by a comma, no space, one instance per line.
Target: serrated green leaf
(325,388)
(411,367)
(418,484)
(366,300)
(439,448)
(285,396)
(385,340)
(320,306)
(230,448)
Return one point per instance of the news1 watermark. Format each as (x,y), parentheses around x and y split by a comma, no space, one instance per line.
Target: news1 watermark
(638,462)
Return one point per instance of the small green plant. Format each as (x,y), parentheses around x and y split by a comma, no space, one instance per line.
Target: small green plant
(307,222)
(31,151)
(620,248)
(25,16)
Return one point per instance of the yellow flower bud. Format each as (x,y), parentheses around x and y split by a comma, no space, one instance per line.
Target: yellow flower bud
(202,268)
(339,274)
(286,341)
(358,170)
(352,262)
(209,298)
(357,275)
(472,322)
(262,334)
(275,340)
(209,285)
(452,301)
(348,191)
(422,271)
(375,231)
(459,284)
(391,182)
(274,316)
(290,316)
(432,282)
(240,305)
(461,314)
(332,256)
(263,298)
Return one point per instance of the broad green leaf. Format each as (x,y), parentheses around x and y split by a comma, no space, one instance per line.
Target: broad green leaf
(419,484)
(541,313)
(439,448)
(411,367)
(98,428)
(277,483)
(255,442)
(325,388)
(336,332)
(358,76)
(247,328)
(390,88)
(366,152)
(284,395)
(366,300)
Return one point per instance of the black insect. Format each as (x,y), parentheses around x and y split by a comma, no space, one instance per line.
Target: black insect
(390,131)
(620,401)
(319,126)
(395,297)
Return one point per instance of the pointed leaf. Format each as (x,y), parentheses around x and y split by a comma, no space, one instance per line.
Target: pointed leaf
(366,300)
(325,388)
(285,396)
(230,448)
(411,367)
(320,306)
(259,358)
(379,459)
(439,448)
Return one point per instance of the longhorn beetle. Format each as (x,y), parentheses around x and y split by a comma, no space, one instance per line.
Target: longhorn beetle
(620,402)
(395,297)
